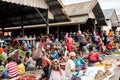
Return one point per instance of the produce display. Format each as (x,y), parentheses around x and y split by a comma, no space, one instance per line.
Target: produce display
(27,77)
(1,68)
(101,75)
(2,58)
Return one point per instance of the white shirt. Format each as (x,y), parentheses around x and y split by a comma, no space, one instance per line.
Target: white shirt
(69,66)
(56,75)
(66,53)
(32,62)
(37,45)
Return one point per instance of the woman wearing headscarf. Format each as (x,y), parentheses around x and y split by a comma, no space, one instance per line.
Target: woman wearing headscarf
(46,69)
(56,73)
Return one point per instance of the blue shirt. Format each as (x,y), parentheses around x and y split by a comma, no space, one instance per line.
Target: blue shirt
(78,62)
(54,55)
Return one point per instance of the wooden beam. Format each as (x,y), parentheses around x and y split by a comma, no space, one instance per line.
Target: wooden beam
(41,15)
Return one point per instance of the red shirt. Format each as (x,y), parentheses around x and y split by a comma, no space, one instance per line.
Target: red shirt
(109,46)
(93,56)
(100,44)
(12,69)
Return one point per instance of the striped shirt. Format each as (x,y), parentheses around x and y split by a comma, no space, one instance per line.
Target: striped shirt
(12,69)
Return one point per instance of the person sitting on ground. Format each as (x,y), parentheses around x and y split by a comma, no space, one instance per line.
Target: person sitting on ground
(11,69)
(108,48)
(57,73)
(101,52)
(4,53)
(54,54)
(46,69)
(21,67)
(79,62)
(27,55)
(93,56)
(31,64)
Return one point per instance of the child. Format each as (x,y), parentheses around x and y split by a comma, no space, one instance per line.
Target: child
(108,48)
(21,67)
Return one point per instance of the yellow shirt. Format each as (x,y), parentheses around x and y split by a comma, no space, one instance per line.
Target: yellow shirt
(112,42)
(21,68)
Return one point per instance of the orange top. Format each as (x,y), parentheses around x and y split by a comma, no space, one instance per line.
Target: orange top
(1,50)
(110,34)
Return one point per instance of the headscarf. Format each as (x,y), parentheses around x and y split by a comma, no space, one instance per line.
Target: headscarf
(55,60)
(72,54)
(46,60)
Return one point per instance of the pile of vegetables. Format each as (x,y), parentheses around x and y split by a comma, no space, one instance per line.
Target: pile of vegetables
(2,58)
(116,52)
(22,53)
(1,68)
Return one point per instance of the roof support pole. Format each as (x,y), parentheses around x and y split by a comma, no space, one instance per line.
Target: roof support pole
(3,31)
(78,27)
(57,31)
(47,24)
(22,26)
(45,20)
(93,21)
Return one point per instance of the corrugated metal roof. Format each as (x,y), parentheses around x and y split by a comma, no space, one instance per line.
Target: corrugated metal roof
(108,13)
(56,7)
(32,3)
(119,18)
(80,19)
(78,8)
(85,8)
(11,12)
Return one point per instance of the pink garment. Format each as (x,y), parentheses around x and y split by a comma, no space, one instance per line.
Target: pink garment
(15,41)
(69,43)
(48,41)
(111,38)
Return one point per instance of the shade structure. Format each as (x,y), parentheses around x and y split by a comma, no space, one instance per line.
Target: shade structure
(13,11)
(31,3)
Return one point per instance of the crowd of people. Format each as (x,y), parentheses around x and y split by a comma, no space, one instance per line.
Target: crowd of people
(63,59)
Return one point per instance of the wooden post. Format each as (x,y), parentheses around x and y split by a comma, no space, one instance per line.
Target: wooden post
(78,27)
(2,31)
(47,24)
(22,26)
(94,25)
(57,32)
